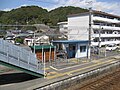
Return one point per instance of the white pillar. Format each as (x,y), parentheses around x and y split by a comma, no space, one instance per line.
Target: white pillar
(44,66)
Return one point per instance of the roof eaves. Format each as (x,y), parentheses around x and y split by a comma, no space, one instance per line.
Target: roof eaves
(79,14)
(100,12)
(70,41)
(42,46)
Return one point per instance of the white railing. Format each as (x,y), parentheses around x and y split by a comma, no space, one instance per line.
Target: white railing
(105,43)
(105,27)
(18,56)
(95,18)
(106,35)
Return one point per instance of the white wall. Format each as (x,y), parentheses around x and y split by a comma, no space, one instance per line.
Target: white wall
(81,54)
(78,27)
(78,53)
(78,20)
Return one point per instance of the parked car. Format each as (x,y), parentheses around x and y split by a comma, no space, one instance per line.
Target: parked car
(111,47)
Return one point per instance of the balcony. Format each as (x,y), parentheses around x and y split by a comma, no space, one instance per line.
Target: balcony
(105,27)
(106,35)
(104,43)
(95,18)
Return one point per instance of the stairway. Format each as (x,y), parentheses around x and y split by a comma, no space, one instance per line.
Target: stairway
(19,58)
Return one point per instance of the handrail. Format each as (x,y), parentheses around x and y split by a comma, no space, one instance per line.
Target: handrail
(19,57)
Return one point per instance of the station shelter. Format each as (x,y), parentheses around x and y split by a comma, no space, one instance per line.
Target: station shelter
(48,50)
(73,48)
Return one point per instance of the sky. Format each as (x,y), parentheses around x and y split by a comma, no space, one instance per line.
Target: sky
(109,6)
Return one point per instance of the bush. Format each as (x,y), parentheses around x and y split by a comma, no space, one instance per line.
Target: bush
(19,40)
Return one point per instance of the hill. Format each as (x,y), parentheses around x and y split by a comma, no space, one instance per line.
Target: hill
(60,14)
(35,14)
(30,14)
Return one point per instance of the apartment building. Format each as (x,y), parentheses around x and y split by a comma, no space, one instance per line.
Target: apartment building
(105,28)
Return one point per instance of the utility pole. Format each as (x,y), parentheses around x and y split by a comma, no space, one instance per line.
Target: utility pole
(44,66)
(16,25)
(99,43)
(34,42)
(105,50)
(90,28)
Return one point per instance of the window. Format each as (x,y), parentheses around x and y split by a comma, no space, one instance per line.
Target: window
(82,48)
(96,40)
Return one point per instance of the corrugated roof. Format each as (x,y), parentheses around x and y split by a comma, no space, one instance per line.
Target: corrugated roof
(78,14)
(42,46)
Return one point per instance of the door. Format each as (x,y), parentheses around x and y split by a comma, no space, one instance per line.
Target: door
(71,50)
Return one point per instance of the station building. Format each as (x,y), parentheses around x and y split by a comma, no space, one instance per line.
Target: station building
(72,48)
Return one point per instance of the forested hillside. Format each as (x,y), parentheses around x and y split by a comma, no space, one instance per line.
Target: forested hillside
(60,14)
(35,14)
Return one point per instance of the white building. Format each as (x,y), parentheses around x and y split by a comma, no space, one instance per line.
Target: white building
(38,40)
(63,27)
(104,25)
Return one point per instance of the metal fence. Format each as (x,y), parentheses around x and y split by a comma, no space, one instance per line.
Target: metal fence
(20,57)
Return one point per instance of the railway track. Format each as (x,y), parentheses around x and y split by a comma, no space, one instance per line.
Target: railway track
(110,81)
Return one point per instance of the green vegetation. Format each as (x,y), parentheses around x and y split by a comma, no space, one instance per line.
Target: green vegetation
(35,14)
(19,40)
(30,14)
(60,14)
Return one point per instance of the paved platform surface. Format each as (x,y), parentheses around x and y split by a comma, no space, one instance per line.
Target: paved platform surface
(58,71)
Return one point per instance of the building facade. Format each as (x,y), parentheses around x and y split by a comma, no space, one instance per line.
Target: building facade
(105,28)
